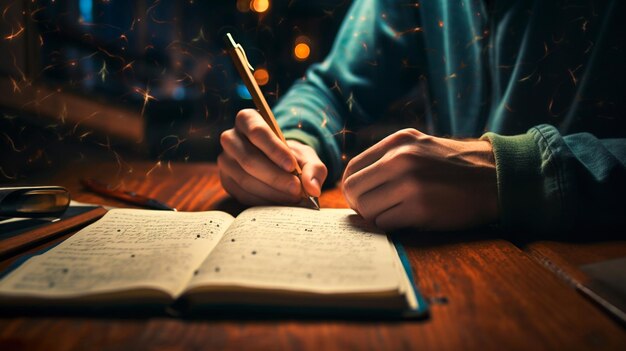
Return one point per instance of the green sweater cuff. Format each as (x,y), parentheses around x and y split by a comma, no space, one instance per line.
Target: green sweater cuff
(520,183)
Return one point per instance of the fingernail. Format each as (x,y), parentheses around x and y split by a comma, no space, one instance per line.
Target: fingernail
(317,186)
(288,165)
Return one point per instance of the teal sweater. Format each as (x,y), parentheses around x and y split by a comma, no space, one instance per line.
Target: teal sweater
(550,69)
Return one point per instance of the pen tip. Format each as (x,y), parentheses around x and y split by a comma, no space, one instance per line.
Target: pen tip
(315,201)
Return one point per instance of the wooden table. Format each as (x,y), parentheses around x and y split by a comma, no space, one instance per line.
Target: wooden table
(485,292)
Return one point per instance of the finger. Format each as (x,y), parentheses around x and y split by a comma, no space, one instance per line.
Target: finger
(377,151)
(238,193)
(314,172)
(380,199)
(250,124)
(370,178)
(401,215)
(255,163)
(254,186)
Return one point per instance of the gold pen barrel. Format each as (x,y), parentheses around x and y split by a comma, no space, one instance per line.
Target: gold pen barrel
(238,55)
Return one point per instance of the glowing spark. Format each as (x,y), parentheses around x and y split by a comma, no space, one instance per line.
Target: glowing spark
(343,132)
(440,24)
(474,40)
(82,136)
(6,9)
(179,142)
(550,105)
(411,30)
(63,113)
(200,36)
(350,102)
(4,174)
(523,79)
(16,87)
(16,34)
(111,55)
(146,97)
(157,165)
(508,108)
(128,66)
(453,75)
(12,144)
(571,74)
(103,71)
(82,120)
(336,87)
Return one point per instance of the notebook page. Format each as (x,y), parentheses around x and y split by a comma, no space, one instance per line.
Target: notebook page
(125,249)
(332,250)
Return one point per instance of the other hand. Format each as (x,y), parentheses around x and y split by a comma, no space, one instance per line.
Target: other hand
(256,165)
(410,179)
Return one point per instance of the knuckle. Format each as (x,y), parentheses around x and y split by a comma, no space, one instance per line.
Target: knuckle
(349,169)
(348,186)
(227,137)
(403,136)
(406,135)
(257,131)
(244,115)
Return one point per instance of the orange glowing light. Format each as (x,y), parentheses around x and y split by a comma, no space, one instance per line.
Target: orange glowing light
(262,76)
(260,6)
(302,51)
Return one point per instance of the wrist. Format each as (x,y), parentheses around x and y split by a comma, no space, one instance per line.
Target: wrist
(491,207)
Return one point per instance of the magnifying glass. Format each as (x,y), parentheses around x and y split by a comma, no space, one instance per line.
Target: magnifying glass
(33,201)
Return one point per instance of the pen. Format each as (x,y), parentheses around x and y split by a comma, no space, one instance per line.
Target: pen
(126,196)
(238,55)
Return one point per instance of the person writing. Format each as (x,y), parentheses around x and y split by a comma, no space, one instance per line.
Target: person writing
(531,95)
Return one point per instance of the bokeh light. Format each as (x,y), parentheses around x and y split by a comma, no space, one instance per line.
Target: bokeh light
(260,6)
(262,76)
(302,51)
(243,5)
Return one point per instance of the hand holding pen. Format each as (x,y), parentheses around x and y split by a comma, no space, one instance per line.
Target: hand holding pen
(258,166)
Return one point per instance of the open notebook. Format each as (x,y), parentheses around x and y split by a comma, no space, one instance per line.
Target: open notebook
(328,261)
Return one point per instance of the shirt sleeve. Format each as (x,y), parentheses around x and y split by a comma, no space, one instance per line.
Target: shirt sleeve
(548,181)
(354,85)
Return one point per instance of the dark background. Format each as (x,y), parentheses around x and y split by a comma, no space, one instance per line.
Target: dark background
(126,80)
